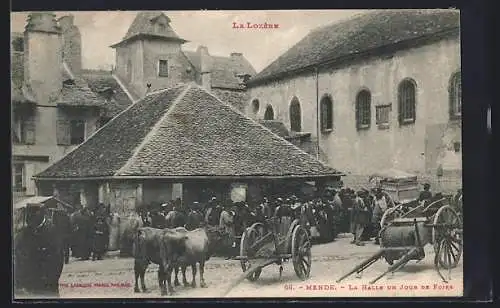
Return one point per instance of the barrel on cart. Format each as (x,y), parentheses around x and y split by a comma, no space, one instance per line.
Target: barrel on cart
(403,237)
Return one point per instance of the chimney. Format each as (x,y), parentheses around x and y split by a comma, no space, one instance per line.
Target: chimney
(72,43)
(66,22)
(43,56)
(206,67)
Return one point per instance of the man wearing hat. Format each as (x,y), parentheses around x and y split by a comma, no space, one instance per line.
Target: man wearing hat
(378,211)
(360,218)
(212,216)
(426,193)
(194,217)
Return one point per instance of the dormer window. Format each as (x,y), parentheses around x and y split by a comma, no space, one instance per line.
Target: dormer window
(161,27)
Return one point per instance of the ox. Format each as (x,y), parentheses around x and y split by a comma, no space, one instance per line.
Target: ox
(198,246)
(153,245)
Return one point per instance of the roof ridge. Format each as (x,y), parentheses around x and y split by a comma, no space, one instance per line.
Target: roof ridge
(92,135)
(155,128)
(251,121)
(122,85)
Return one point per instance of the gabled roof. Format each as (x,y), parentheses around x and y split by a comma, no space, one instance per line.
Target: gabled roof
(224,69)
(356,36)
(172,134)
(144,25)
(100,81)
(77,93)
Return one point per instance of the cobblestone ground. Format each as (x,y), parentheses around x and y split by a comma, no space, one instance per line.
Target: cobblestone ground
(113,277)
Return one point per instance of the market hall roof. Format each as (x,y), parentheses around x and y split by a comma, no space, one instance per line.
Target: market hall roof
(145,24)
(344,40)
(172,134)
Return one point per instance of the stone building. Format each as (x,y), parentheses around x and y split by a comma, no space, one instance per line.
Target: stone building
(53,109)
(380,91)
(167,145)
(150,57)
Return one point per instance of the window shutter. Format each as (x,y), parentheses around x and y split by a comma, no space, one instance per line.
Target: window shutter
(29,125)
(29,172)
(63,132)
(15,131)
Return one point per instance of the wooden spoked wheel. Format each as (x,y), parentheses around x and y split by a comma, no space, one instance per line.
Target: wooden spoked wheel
(389,215)
(301,252)
(447,237)
(248,239)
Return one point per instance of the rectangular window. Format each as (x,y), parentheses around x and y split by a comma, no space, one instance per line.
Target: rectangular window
(77,131)
(18,44)
(383,115)
(163,68)
(24,130)
(18,177)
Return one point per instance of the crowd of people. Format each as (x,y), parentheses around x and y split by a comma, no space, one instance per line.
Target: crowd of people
(90,232)
(332,212)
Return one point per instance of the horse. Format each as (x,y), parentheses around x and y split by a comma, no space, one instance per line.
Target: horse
(39,253)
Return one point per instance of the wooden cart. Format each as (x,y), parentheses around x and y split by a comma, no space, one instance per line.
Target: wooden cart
(275,241)
(403,237)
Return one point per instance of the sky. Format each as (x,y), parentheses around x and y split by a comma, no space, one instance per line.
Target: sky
(214,29)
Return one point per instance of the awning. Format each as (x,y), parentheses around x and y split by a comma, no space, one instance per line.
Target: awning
(49,201)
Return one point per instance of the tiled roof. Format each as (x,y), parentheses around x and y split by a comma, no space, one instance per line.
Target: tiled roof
(143,25)
(111,147)
(99,81)
(366,32)
(78,93)
(224,69)
(172,133)
(276,127)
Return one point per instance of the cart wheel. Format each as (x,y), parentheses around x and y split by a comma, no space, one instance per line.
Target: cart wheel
(248,238)
(389,215)
(301,252)
(447,237)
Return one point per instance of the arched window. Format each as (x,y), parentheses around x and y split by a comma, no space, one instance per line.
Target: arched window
(269,114)
(407,101)
(326,113)
(456,95)
(295,116)
(255,106)
(363,109)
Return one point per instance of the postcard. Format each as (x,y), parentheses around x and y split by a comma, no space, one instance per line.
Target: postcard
(229,154)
